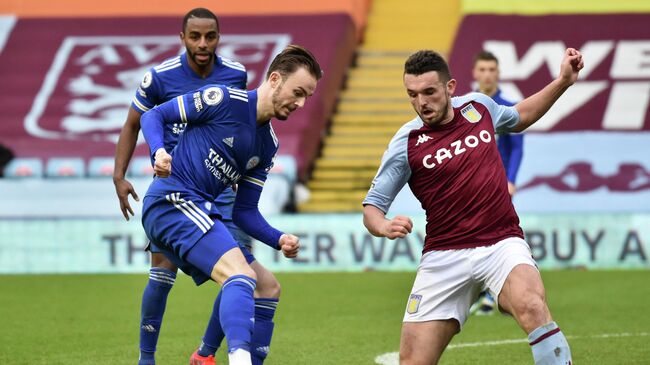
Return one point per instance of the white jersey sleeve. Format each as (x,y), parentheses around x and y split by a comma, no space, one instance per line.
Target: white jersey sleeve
(394,170)
(504,117)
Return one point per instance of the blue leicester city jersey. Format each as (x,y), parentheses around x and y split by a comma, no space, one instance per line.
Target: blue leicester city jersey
(221,145)
(511,146)
(175,77)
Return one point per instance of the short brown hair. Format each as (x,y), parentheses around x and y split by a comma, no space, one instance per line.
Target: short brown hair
(425,61)
(485,56)
(292,57)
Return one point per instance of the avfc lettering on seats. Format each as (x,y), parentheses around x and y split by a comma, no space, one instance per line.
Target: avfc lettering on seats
(457,147)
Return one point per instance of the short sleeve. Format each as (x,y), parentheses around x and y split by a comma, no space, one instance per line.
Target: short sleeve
(148,93)
(393,172)
(504,118)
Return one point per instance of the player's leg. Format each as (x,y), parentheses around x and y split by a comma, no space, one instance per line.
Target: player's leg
(218,255)
(422,343)
(266,303)
(154,300)
(518,286)
(442,294)
(267,294)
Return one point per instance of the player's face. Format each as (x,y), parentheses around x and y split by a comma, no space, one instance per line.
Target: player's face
(430,96)
(201,39)
(486,73)
(291,92)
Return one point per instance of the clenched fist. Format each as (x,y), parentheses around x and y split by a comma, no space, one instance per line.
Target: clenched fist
(162,166)
(397,227)
(289,244)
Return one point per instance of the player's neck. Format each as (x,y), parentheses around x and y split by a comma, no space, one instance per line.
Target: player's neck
(265,109)
(204,71)
(489,91)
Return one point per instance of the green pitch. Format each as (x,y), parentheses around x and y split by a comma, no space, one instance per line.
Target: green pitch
(322,319)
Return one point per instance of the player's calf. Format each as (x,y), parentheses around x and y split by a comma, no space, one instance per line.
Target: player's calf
(523,296)
(154,301)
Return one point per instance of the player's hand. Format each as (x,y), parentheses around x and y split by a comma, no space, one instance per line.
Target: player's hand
(162,166)
(123,188)
(571,66)
(512,189)
(397,227)
(290,245)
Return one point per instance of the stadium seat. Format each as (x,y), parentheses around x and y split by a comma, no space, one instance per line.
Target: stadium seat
(24,167)
(101,166)
(140,166)
(65,167)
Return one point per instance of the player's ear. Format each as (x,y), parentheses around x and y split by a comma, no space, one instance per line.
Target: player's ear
(451,86)
(182,36)
(274,79)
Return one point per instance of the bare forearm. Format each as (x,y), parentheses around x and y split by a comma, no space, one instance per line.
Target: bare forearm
(373,219)
(126,144)
(535,106)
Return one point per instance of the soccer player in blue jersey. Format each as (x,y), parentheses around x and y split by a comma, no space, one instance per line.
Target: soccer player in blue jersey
(228,140)
(196,67)
(511,146)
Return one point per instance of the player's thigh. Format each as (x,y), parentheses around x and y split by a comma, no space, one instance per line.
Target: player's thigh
(422,343)
(230,264)
(267,285)
(524,297)
(443,289)
(158,259)
(217,255)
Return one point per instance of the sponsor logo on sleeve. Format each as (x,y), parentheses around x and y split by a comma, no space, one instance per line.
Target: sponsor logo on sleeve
(212,96)
(146,80)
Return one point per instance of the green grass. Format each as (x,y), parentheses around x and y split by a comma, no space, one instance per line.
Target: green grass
(323,319)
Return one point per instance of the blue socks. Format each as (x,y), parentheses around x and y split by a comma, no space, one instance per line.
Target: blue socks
(214,333)
(549,345)
(263,331)
(154,300)
(237,311)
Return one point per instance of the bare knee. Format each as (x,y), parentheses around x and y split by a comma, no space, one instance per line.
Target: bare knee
(247,271)
(161,261)
(531,311)
(269,287)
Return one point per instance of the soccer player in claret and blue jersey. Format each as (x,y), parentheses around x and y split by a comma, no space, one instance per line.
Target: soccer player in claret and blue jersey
(228,140)
(473,242)
(198,66)
(511,145)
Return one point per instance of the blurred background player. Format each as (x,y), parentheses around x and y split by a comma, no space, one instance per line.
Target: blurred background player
(229,139)
(511,146)
(197,66)
(473,239)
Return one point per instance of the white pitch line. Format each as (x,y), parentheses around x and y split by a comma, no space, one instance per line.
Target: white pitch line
(392,358)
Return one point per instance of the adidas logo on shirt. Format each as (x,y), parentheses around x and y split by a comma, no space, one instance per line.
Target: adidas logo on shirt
(229,141)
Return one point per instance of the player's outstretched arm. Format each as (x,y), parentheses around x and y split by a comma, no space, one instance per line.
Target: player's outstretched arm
(535,106)
(123,153)
(375,221)
(246,215)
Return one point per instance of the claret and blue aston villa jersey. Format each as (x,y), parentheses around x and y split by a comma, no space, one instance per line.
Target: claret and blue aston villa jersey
(175,77)
(221,145)
(454,170)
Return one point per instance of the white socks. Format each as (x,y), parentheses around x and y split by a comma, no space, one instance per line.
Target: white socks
(549,345)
